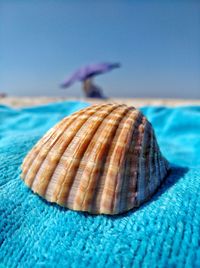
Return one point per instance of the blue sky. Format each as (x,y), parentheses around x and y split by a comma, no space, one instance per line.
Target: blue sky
(157,42)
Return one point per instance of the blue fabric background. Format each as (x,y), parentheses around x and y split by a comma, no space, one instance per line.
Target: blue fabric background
(164,232)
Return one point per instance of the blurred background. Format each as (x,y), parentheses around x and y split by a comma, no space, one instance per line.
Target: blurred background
(156,42)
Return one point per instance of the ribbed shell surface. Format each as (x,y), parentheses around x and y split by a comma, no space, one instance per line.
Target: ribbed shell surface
(102,159)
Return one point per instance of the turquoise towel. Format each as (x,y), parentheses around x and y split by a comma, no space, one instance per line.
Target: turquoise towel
(164,232)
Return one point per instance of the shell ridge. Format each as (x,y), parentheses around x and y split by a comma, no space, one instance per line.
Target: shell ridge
(129,171)
(90,109)
(115,130)
(34,153)
(152,160)
(159,168)
(143,166)
(135,162)
(119,181)
(111,108)
(157,163)
(91,141)
(156,171)
(146,154)
(162,168)
(99,181)
(31,155)
(155,182)
(107,170)
(126,166)
(47,153)
(138,169)
(45,139)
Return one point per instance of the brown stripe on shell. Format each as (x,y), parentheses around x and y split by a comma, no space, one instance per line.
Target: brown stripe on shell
(162,166)
(38,162)
(96,202)
(158,175)
(128,193)
(49,138)
(95,154)
(36,151)
(121,191)
(146,153)
(152,175)
(112,170)
(71,157)
(142,187)
(54,156)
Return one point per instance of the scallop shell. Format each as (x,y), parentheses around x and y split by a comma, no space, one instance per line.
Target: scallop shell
(103,159)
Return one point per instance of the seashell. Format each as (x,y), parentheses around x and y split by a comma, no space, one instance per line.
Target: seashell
(103,159)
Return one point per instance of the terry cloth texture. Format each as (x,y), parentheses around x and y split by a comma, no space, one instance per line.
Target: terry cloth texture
(164,232)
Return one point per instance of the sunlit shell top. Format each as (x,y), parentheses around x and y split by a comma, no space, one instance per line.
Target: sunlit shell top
(102,159)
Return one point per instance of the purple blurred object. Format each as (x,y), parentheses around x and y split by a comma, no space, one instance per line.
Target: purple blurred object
(88,72)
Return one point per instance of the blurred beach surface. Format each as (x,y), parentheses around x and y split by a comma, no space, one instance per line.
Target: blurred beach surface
(136,102)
